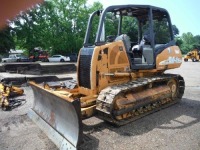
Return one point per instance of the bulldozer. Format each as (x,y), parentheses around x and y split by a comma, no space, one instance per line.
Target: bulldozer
(194,55)
(120,74)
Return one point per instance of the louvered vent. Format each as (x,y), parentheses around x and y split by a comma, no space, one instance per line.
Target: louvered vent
(85,67)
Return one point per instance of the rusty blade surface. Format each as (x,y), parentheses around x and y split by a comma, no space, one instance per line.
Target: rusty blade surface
(62,115)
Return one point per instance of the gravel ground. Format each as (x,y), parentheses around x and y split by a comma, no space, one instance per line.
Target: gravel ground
(176,127)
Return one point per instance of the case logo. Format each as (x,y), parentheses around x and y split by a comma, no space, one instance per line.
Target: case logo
(171,60)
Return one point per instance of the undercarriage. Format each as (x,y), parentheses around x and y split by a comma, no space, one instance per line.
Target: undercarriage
(127,102)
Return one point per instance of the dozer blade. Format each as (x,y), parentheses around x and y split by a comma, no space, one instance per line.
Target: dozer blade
(60,116)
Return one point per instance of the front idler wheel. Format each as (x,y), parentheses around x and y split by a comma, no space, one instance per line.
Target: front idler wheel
(174,88)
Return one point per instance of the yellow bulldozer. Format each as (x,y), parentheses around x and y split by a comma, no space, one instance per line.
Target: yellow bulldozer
(194,55)
(120,74)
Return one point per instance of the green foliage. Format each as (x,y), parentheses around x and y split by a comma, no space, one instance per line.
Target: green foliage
(161,30)
(179,41)
(175,30)
(197,42)
(189,42)
(130,26)
(6,40)
(56,26)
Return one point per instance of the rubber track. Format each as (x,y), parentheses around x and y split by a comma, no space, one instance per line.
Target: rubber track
(107,96)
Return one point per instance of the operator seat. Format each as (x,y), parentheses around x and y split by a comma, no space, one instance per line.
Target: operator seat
(126,39)
(134,57)
(127,43)
(144,49)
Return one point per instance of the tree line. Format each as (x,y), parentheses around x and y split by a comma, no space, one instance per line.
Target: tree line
(59,26)
(187,42)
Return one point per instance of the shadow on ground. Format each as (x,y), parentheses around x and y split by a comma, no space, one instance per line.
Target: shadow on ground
(169,118)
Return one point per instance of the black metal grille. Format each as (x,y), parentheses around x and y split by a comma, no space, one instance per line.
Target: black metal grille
(84,68)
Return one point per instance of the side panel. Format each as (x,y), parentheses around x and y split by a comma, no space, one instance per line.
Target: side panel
(169,58)
(112,58)
(96,61)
